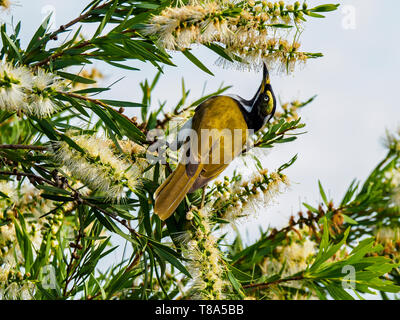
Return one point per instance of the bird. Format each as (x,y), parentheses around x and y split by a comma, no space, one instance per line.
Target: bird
(228,121)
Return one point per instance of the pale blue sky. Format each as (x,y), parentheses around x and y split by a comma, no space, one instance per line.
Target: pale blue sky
(356,82)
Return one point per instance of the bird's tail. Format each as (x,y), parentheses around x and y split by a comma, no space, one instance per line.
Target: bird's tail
(172,191)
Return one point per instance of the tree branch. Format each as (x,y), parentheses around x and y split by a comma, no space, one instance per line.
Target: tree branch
(22,147)
(59,54)
(29,175)
(62,28)
(268,284)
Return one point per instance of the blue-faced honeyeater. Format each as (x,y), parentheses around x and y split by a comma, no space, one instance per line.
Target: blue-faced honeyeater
(224,117)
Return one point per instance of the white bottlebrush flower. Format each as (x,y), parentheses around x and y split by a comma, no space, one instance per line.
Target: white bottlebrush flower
(297,255)
(189,215)
(12,291)
(8,189)
(24,92)
(7,233)
(99,167)
(22,199)
(393,176)
(392,140)
(246,198)
(15,82)
(131,148)
(44,85)
(247,32)
(41,106)
(44,80)
(291,257)
(10,252)
(4,272)
(205,261)
(27,291)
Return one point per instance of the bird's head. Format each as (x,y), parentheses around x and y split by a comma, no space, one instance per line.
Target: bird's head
(265,102)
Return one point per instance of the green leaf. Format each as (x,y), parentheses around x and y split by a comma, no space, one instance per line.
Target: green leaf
(236,285)
(143,51)
(108,121)
(4,115)
(219,50)
(4,195)
(312,209)
(288,164)
(56,198)
(196,61)
(24,241)
(338,293)
(38,34)
(322,192)
(169,255)
(125,104)
(75,77)
(47,128)
(122,66)
(110,225)
(106,19)
(91,90)
(349,220)
(72,143)
(325,8)
(13,46)
(314,15)
(53,189)
(128,128)
(145,5)
(280,25)
(118,281)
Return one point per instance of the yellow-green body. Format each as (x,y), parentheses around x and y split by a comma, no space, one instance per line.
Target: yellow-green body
(223,124)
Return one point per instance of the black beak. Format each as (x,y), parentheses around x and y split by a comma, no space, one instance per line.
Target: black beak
(265,73)
(265,84)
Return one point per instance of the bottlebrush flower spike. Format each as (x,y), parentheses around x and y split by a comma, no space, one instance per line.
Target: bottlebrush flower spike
(99,166)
